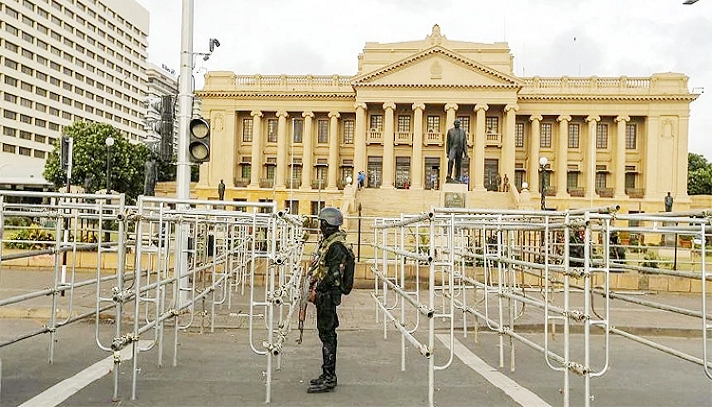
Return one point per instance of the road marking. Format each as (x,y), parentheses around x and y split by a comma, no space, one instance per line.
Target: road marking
(68,387)
(520,394)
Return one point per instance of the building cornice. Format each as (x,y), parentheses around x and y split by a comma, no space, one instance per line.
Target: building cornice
(635,98)
(267,96)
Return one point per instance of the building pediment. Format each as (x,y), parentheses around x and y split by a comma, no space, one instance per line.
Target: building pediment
(437,67)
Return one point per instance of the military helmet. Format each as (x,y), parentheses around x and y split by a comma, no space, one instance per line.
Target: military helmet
(332,216)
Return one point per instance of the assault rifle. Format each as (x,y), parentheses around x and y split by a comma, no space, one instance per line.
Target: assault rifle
(306,291)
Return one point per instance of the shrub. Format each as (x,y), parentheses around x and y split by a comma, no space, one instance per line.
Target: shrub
(31,238)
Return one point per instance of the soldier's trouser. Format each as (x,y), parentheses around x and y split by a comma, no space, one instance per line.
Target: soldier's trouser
(326,322)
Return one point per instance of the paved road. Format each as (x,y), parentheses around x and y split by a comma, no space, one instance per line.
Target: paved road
(220,369)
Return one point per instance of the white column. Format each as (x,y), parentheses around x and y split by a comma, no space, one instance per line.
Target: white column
(360,140)
(534,145)
(508,140)
(619,165)
(280,176)
(680,180)
(450,114)
(388,147)
(651,164)
(416,164)
(561,156)
(589,167)
(307,153)
(477,159)
(333,150)
(256,165)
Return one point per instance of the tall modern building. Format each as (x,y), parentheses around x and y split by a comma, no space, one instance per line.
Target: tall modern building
(62,61)
(298,139)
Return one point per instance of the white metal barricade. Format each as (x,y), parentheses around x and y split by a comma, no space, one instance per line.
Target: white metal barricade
(485,262)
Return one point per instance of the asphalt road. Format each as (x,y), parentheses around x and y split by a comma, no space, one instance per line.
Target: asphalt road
(219,369)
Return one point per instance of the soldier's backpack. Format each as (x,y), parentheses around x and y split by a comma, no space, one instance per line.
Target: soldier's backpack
(347,272)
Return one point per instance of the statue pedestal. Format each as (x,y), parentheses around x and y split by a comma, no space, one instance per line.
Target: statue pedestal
(453,195)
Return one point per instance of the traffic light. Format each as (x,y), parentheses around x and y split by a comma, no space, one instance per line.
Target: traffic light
(199,144)
(166,129)
(66,144)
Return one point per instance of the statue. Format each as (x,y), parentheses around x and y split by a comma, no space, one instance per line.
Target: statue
(668,203)
(221,190)
(456,151)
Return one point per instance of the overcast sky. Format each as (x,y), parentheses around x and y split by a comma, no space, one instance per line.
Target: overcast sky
(547,37)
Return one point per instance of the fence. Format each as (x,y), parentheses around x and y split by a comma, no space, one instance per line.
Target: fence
(483,263)
(173,262)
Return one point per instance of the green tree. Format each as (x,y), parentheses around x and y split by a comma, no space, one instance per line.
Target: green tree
(699,175)
(90,159)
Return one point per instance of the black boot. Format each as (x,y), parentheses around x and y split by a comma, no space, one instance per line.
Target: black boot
(321,379)
(327,381)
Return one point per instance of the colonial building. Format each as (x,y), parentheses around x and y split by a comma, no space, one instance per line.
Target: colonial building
(299,139)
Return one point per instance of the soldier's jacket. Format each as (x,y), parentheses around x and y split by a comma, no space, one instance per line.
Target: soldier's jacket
(333,255)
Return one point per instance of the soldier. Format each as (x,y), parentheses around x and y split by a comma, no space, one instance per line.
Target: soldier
(668,203)
(334,276)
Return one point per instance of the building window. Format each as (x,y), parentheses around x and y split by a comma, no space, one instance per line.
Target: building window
(25,135)
(322,172)
(40,154)
(464,123)
(10,81)
(492,125)
(574,134)
(9,131)
(375,171)
(433,124)
(349,131)
(245,171)
(25,119)
(10,98)
(323,131)
(403,172)
(8,148)
(272,130)
(630,180)
(602,135)
(25,151)
(376,122)
(519,135)
(403,124)
(572,180)
(298,130)
(545,140)
(40,122)
(600,181)
(631,138)
(9,114)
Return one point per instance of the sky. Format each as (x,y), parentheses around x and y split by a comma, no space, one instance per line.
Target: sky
(547,37)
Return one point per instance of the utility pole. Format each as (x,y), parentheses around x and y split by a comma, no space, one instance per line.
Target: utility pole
(185,106)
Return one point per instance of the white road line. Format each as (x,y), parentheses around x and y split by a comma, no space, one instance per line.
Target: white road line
(518,393)
(68,387)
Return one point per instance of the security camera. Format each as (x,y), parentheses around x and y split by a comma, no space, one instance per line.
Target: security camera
(213,44)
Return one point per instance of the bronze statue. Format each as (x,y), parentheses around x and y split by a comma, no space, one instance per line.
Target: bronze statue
(668,203)
(456,151)
(221,190)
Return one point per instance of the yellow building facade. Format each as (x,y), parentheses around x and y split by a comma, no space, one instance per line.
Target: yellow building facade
(298,140)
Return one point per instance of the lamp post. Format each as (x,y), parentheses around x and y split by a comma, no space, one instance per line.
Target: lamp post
(543,161)
(109,143)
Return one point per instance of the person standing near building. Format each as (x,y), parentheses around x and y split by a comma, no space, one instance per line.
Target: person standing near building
(361,178)
(668,203)
(334,276)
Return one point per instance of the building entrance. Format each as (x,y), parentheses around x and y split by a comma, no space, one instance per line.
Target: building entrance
(492,178)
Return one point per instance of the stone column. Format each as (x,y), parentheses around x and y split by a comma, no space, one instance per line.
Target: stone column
(256,165)
(416,164)
(650,172)
(477,159)
(619,166)
(561,156)
(388,147)
(589,166)
(360,139)
(508,139)
(450,113)
(333,150)
(307,153)
(534,146)
(281,171)
(222,166)
(680,175)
